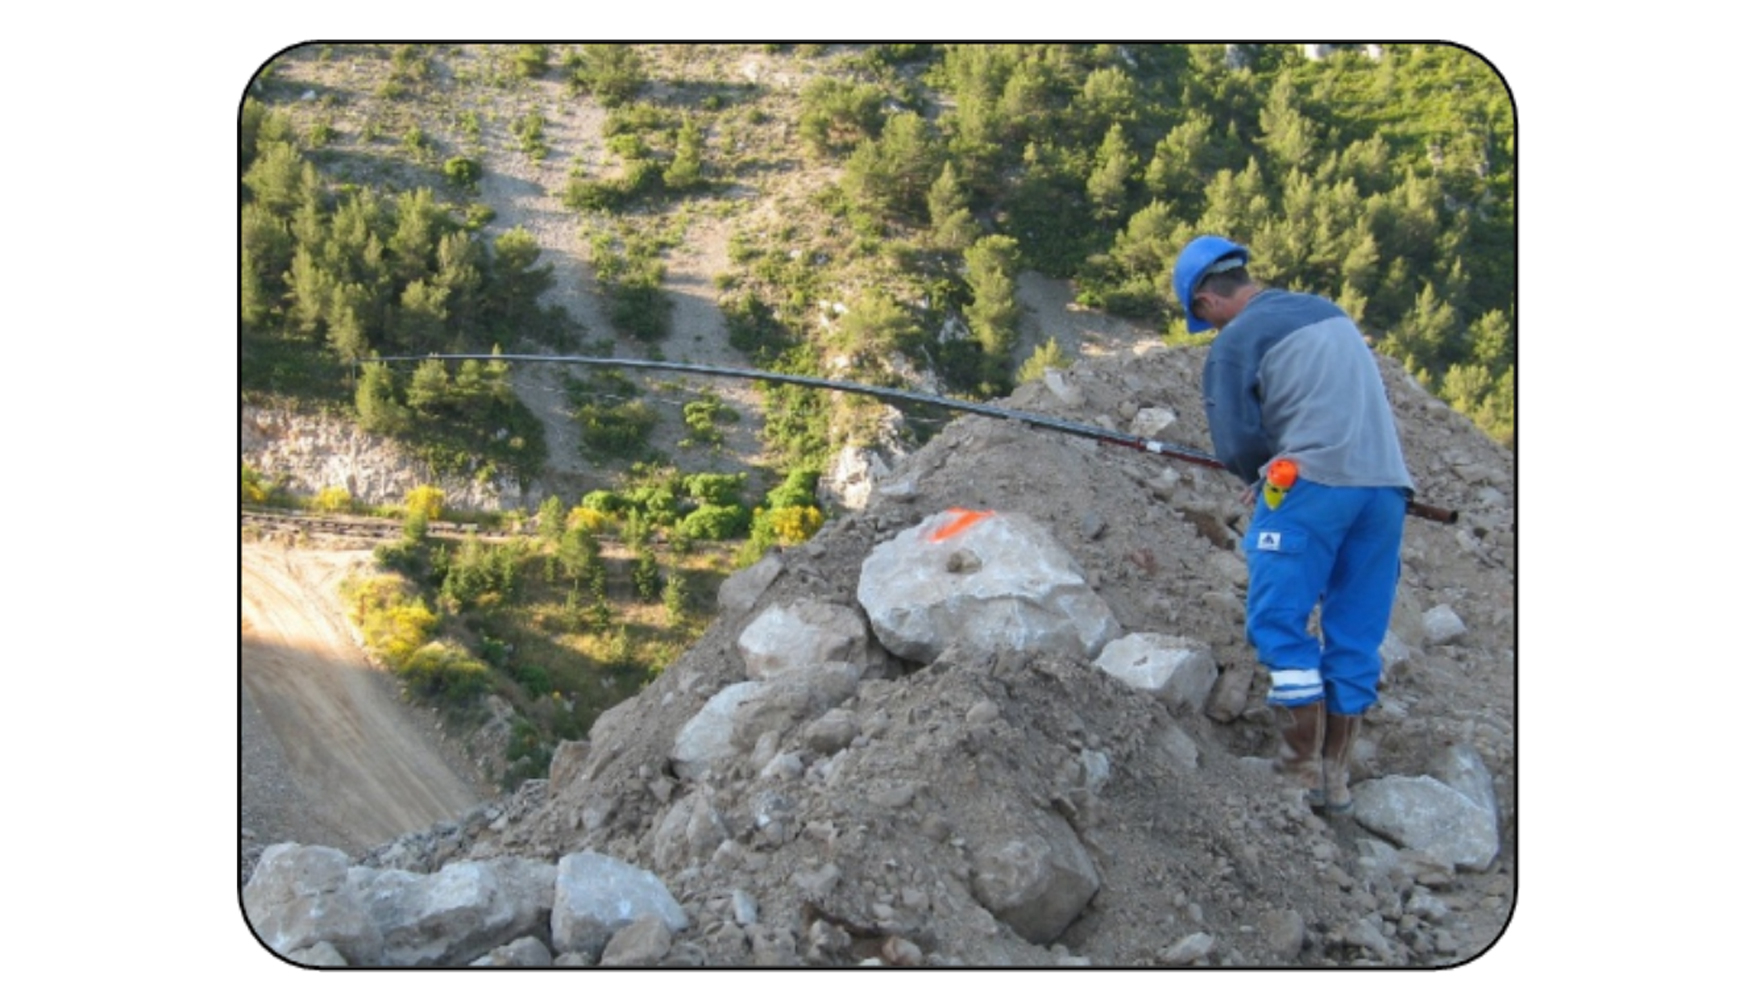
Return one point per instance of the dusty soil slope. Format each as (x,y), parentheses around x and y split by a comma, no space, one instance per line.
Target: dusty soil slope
(853,849)
(329,754)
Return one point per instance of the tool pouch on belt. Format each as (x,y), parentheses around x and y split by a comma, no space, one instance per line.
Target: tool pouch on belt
(1278,480)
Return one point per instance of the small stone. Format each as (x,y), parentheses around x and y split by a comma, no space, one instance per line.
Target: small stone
(644,942)
(900,952)
(747,909)
(1284,932)
(1188,949)
(983,713)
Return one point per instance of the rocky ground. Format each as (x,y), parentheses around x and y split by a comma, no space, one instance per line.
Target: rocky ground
(1190,835)
(1203,856)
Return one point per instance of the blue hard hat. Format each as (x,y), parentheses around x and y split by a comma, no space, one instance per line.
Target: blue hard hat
(1195,261)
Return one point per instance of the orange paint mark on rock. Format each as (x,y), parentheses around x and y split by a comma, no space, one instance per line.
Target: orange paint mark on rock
(964,519)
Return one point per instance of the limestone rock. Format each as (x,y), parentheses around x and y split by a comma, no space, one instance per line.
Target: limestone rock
(596,895)
(1461,768)
(1002,583)
(689,832)
(708,736)
(1228,699)
(788,636)
(1150,421)
(1423,814)
(1189,949)
(567,764)
(1284,932)
(523,953)
(298,897)
(319,955)
(1442,624)
(457,913)
(1060,386)
(853,475)
(793,697)
(643,942)
(1180,672)
(1037,881)
(316,451)
(738,594)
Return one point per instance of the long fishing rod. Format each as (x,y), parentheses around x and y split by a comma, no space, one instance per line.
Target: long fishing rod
(1101,434)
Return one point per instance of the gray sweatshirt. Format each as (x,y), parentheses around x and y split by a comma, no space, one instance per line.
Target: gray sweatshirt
(1291,377)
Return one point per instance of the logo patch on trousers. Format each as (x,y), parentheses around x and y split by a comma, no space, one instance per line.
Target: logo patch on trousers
(1269,541)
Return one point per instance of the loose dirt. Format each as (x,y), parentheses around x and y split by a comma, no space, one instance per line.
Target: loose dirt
(329,754)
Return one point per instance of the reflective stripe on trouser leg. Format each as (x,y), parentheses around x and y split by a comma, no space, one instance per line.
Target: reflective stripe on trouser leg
(1291,687)
(1358,601)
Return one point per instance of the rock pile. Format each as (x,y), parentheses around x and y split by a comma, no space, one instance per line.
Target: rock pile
(934,735)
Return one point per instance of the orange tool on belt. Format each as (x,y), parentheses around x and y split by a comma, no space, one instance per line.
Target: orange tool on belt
(1278,478)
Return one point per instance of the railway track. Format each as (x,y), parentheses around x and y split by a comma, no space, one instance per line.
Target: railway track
(354,526)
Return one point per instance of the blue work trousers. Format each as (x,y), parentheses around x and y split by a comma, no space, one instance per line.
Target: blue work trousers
(1335,546)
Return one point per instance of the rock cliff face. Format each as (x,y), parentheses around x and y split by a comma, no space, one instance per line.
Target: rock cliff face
(835,801)
(314,451)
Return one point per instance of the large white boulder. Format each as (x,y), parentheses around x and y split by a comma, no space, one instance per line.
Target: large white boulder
(596,895)
(994,582)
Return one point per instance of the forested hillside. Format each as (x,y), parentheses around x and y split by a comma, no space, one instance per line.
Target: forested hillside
(914,182)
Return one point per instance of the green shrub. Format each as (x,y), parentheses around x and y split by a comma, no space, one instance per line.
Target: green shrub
(444,672)
(531,133)
(532,679)
(416,143)
(530,60)
(658,504)
(478,216)
(638,307)
(714,522)
(616,430)
(394,623)
(797,490)
(702,416)
(462,172)
(715,488)
(603,501)
(256,488)
(332,500)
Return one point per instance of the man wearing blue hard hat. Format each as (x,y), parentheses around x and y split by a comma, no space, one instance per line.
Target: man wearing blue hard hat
(1297,410)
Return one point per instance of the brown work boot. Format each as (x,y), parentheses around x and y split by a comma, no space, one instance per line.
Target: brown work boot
(1303,733)
(1341,732)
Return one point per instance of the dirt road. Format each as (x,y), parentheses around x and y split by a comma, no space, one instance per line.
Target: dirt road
(329,754)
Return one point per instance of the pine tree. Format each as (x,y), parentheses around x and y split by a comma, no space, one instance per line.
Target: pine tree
(309,290)
(951,224)
(685,171)
(1046,356)
(675,596)
(253,301)
(1112,166)
(378,410)
(991,265)
(414,244)
(646,575)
